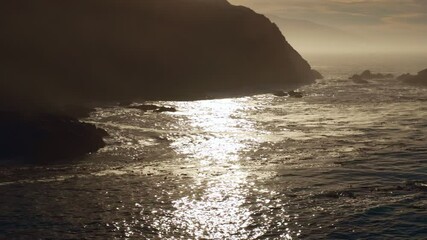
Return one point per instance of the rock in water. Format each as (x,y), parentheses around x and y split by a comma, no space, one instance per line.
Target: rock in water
(367,75)
(358,79)
(405,77)
(153,108)
(295,94)
(418,80)
(73,51)
(280,93)
(46,138)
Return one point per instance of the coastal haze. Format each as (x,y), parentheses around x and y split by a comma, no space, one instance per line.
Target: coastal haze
(200,119)
(349,26)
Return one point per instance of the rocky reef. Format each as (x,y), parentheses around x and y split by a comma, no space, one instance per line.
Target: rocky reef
(418,80)
(291,94)
(46,138)
(153,108)
(368,75)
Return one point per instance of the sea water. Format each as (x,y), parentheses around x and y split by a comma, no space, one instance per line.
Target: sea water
(346,161)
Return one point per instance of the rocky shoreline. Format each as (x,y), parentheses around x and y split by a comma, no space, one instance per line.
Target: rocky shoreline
(46,138)
(93,52)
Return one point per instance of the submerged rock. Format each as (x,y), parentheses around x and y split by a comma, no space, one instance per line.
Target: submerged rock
(368,75)
(74,51)
(291,93)
(165,109)
(358,79)
(145,107)
(405,77)
(154,108)
(46,138)
(295,94)
(418,80)
(280,94)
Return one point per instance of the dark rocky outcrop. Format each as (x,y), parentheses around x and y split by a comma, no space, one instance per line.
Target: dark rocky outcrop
(358,79)
(316,74)
(418,80)
(43,138)
(165,109)
(292,94)
(295,94)
(76,111)
(73,51)
(368,75)
(153,108)
(280,93)
(405,77)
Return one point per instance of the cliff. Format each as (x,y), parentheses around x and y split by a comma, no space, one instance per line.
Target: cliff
(74,51)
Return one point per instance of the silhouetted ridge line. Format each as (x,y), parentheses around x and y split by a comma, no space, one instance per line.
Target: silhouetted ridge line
(74,51)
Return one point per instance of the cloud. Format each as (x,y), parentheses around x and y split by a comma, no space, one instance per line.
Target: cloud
(343,13)
(392,22)
(407,19)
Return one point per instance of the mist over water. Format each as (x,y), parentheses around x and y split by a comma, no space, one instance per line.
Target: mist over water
(343,64)
(347,161)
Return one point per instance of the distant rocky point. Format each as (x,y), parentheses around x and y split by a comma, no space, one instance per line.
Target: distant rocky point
(368,75)
(316,74)
(419,80)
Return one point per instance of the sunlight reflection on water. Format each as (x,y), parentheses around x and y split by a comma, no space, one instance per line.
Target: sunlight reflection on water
(218,211)
(222,136)
(345,162)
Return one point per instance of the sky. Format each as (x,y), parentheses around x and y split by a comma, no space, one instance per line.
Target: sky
(387,24)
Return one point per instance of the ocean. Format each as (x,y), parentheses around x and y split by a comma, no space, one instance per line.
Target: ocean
(346,161)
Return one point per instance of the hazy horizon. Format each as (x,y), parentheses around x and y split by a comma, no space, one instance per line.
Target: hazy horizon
(347,26)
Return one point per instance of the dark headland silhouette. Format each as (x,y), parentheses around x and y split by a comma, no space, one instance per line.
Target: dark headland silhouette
(76,52)
(105,50)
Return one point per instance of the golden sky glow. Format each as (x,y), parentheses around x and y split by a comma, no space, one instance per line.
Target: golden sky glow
(386,24)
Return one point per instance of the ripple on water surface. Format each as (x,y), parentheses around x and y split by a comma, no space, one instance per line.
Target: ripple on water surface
(342,162)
